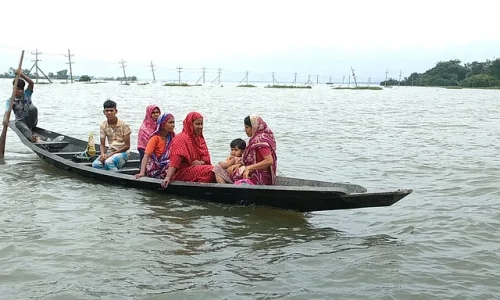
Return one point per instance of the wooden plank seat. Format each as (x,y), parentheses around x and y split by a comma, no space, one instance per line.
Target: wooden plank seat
(52,146)
(130,163)
(124,170)
(71,154)
(129,171)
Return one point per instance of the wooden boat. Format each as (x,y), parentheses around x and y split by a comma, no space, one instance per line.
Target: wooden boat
(289,193)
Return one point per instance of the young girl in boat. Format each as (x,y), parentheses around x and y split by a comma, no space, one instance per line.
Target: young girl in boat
(147,128)
(237,148)
(157,153)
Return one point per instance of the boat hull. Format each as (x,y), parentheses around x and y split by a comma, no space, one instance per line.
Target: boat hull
(289,193)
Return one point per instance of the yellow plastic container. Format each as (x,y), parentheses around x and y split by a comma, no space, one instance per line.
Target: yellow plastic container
(91,145)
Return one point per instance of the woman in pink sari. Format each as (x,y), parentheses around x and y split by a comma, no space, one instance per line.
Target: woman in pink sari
(259,160)
(147,128)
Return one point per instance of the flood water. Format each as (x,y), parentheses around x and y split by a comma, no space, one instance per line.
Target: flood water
(64,237)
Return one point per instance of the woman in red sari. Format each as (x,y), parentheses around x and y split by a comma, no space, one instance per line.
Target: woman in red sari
(189,156)
(259,160)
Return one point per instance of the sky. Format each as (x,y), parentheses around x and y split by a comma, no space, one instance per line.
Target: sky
(311,37)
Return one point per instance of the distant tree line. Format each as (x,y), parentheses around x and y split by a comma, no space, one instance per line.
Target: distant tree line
(453,73)
(63,74)
(11,73)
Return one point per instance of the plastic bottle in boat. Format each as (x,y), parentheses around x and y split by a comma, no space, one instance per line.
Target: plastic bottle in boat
(56,139)
(90,146)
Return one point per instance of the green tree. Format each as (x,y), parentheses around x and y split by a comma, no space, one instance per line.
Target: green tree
(480,80)
(85,78)
(390,81)
(475,68)
(494,68)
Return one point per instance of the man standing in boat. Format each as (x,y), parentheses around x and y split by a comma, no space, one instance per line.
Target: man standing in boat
(117,132)
(26,113)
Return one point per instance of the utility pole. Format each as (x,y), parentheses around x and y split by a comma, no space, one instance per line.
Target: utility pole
(245,78)
(274,80)
(202,76)
(295,80)
(354,76)
(36,63)
(153,71)
(400,73)
(308,80)
(343,78)
(37,69)
(317,79)
(70,69)
(218,77)
(179,69)
(123,67)
(369,81)
(386,72)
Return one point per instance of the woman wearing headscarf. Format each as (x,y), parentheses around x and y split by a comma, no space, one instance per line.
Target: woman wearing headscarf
(147,128)
(189,156)
(157,153)
(259,161)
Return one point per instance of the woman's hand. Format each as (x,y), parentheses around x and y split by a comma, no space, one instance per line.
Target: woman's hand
(165,182)
(246,173)
(137,176)
(232,168)
(198,163)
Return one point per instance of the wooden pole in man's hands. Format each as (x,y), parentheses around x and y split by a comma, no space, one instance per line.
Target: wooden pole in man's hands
(6,117)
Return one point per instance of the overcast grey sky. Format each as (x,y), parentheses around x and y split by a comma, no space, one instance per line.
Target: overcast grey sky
(307,37)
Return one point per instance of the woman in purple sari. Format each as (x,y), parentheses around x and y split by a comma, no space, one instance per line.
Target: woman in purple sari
(259,161)
(157,152)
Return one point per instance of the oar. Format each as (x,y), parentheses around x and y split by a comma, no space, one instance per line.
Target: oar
(3,137)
